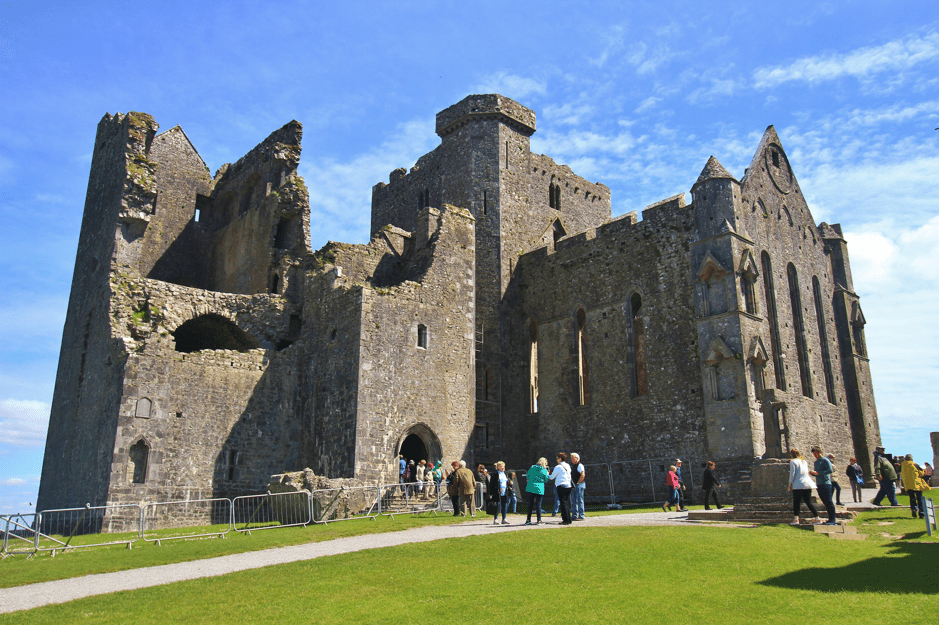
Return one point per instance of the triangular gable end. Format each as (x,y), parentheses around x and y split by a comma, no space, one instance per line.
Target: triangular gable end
(757,353)
(179,129)
(718,351)
(710,268)
(857,316)
(748,266)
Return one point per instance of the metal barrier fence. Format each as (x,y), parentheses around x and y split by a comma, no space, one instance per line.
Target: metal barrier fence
(408,498)
(344,504)
(20,530)
(59,527)
(203,517)
(640,482)
(268,511)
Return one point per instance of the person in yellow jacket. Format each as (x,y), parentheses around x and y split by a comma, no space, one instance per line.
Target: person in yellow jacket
(912,478)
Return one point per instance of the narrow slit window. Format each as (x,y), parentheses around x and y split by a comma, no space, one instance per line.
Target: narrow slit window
(802,352)
(232,463)
(422,336)
(533,367)
(823,339)
(637,331)
(775,344)
(139,457)
(583,375)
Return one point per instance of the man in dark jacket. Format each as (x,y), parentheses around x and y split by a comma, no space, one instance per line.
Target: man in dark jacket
(887,477)
(710,485)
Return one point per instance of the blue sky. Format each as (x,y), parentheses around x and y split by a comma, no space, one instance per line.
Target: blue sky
(634,95)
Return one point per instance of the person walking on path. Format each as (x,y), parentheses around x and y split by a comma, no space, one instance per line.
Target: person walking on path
(913,483)
(578,479)
(453,488)
(886,475)
(535,480)
(801,485)
(681,486)
(466,483)
(822,472)
(835,486)
(856,477)
(562,481)
(498,485)
(671,487)
(709,485)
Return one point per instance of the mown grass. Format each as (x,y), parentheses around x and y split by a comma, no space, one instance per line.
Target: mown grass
(769,574)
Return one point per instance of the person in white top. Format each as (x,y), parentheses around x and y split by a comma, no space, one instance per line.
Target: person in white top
(801,485)
(562,480)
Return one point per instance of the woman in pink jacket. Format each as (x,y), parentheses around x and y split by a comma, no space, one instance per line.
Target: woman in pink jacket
(672,485)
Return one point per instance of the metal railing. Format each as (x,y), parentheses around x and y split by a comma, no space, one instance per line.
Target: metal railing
(202,517)
(345,504)
(270,511)
(20,530)
(408,498)
(60,526)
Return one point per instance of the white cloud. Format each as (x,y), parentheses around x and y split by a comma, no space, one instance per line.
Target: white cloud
(340,191)
(13,481)
(894,56)
(511,85)
(648,60)
(567,114)
(23,422)
(647,104)
(613,43)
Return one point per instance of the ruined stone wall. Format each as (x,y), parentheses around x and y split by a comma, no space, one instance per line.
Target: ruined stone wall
(174,244)
(406,387)
(216,421)
(600,270)
(83,419)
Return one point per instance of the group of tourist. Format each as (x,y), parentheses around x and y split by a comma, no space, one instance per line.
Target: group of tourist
(889,474)
(419,479)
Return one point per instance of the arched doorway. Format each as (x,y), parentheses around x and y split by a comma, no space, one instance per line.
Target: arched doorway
(419,443)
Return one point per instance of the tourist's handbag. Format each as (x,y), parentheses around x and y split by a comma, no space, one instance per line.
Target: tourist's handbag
(492,507)
(860,480)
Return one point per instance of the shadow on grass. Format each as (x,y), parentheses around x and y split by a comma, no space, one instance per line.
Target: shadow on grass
(905,575)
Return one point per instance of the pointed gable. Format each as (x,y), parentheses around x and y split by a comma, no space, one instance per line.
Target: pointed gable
(710,268)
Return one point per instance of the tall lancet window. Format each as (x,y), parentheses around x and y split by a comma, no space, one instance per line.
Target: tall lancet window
(640,378)
(533,366)
(583,376)
(802,351)
(823,339)
(775,344)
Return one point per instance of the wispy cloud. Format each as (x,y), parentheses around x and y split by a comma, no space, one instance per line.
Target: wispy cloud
(613,42)
(893,56)
(13,481)
(340,191)
(511,85)
(648,59)
(23,422)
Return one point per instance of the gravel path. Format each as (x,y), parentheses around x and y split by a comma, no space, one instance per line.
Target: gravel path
(61,591)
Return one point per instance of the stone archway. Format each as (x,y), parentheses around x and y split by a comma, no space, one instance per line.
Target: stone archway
(419,443)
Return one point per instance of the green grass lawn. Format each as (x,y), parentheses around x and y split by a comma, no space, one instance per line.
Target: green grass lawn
(770,574)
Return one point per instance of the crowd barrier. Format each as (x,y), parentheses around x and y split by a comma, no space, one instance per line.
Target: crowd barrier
(344,504)
(194,518)
(271,510)
(58,527)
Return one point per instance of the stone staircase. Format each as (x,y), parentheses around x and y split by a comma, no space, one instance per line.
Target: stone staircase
(767,510)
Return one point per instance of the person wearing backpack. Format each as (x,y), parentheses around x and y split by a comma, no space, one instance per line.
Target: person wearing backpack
(887,477)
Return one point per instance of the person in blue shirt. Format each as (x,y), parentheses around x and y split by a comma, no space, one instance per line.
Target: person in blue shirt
(822,473)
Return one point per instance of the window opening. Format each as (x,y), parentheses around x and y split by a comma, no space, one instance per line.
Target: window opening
(802,352)
(775,158)
(139,456)
(823,339)
(212,332)
(485,202)
(232,461)
(640,380)
(422,336)
(275,284)
(551,195)
(533,366)
(583,375)
(775,344)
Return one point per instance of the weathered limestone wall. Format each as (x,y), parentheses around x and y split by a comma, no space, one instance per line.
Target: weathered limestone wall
(600,270)
(405,387)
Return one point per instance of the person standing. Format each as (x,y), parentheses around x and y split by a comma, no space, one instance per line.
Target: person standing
(886,476)
(822,473)
(419,476)
(402,467)
(835,486)
(912,477)
(578,479)
(681,486)
(498,485)
(562,481)
(453,488)
(466,483)
(482,476)
(801,485)
(709,485)
(535,480)
(511,501)
(856,477)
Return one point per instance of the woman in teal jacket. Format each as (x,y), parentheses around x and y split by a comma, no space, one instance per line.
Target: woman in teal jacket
(536,479)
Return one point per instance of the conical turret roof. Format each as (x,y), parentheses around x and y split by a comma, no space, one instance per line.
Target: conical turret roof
(713,169)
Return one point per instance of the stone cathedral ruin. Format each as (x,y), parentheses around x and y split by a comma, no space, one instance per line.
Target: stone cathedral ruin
(498,312)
